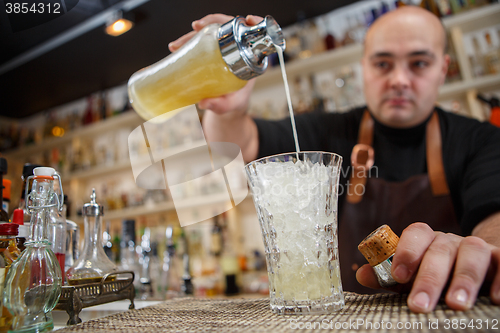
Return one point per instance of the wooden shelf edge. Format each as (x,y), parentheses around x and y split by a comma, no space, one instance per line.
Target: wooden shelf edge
(126,119)
(474,19)
(457,88)
(331,59)
(163,207)
(126,164)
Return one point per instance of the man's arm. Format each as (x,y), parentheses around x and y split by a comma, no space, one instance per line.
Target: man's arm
(489,229)
(232,125)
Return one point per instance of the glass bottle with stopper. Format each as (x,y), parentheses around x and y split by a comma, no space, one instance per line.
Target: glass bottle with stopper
(218,60)
(93,263)
(33,282)
(379,248)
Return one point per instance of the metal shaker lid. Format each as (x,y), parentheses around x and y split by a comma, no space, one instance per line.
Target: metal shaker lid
(92,208)
(245,49)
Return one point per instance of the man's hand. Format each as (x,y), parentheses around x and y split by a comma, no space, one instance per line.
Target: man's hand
(426,260)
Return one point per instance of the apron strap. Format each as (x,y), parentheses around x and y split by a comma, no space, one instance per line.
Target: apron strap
(434,154)
(362,158)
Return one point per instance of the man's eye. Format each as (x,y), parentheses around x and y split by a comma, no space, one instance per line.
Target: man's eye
(382,65)
(420,64)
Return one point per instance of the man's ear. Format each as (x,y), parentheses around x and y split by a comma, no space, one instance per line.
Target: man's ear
(444,69)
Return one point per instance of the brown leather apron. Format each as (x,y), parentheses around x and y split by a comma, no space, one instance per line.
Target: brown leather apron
(420,198)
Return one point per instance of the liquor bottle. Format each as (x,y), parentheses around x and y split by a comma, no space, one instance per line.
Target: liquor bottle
(457,6)
(371,16)
(88,116)
(477,60)
(8,254)
(128,254)
(116,247)
(444,7)
(146,288)
(187,287)
(4,217)
(33,282)
(57,237)
(170,279)
(107,243)
(27,171)
(23,234)
(216,238)
(431,6)
(492,56)
(155,268)
(453,73)
(72,244)
(6,195)
(2,281)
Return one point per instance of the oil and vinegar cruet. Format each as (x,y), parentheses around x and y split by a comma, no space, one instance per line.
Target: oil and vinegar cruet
(93,263)
(218,60)
(33,282)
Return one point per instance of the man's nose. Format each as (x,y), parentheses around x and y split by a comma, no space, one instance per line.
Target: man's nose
(400,78)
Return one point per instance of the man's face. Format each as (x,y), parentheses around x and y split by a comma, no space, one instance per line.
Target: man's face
(403,66)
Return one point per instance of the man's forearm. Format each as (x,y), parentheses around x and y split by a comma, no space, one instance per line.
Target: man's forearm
(233,127)
(489,229)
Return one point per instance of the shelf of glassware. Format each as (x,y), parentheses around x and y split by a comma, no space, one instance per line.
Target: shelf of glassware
(168,206)
(125,165)
(129,118)
(457,25)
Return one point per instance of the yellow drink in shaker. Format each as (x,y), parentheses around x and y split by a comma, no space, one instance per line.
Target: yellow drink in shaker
(218,60)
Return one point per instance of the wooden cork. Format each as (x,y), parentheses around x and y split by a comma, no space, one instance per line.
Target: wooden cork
(379,245)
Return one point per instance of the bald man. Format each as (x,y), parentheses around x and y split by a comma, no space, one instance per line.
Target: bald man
(434,177)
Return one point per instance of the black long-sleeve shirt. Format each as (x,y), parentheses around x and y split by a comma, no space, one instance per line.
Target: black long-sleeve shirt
(471,154)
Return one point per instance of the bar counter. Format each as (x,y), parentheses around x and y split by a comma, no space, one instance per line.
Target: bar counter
(362,313)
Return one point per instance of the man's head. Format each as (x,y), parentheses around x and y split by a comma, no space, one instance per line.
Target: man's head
(404,63)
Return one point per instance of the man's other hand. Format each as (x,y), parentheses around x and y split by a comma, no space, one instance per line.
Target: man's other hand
(426,261)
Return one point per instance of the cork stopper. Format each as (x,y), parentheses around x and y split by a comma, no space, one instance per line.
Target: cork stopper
(379,245)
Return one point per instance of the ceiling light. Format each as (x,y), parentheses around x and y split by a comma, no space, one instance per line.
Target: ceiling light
(118,25)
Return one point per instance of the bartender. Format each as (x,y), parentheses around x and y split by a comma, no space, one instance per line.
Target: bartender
(432,176)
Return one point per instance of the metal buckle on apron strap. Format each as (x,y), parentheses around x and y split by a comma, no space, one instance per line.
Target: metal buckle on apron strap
(362,159)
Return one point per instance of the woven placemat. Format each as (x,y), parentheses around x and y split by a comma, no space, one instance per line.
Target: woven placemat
(362,313)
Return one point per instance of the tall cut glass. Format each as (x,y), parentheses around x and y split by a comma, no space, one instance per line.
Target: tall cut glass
(296,202)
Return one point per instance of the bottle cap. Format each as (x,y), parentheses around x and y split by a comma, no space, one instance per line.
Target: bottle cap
(9,229)
(18,217)
(92,208)
(245,49)
(6,188)
(44,171)
(24,231)
(379,245)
